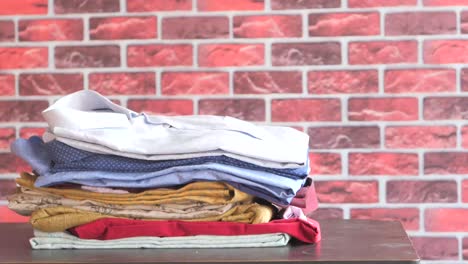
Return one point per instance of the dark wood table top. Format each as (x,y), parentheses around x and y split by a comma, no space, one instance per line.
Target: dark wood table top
(343,241)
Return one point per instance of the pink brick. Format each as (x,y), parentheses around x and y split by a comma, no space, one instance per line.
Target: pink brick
(445,2)
(27,132)
(7,135)
(445,108)
(8,216)
(22,110)
(343,81)
(228,5)
(195,27)
(409,217)
(464,79)
(465,191)
(445,51)
(347,191)
(420,23)
(266,82)
(23,7)
(86,6)
(87,56)
(464,22)
(383,163)
(23,57)
(245,109)
(50,83)
(9,163)
(7,188)
(446,163)
(7,84)
(465,248)
(50,30)
(119,83)
(304,4)
(219,55)
(325,163)
(436,248)
(159,55)
(297,110)
(326,213)
(7,30)
(385,109)
(421,191)
(158,5)
(303,53)
(421,137)
(267,26)
(446,220)
(381,3)
(344,24)
(182,83)
(420,80)
(164,107)
(383,52)
(123,27)
(342,137)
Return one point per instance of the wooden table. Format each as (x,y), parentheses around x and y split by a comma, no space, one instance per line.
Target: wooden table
(343,241)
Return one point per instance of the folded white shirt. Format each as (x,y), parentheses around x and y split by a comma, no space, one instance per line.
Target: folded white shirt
(89,121)
(62,240)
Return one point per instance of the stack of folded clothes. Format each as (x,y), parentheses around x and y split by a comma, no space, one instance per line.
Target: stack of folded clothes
(107,177)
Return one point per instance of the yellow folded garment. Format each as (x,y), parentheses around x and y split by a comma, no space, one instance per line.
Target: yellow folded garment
(60,218)
(206,192)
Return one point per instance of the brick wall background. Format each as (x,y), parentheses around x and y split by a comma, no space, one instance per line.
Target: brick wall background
(381,86)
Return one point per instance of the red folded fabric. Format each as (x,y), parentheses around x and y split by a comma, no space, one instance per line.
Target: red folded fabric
(305,230)
(306,198)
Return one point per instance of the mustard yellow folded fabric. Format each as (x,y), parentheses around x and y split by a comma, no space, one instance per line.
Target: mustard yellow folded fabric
(206,192)
(59,219)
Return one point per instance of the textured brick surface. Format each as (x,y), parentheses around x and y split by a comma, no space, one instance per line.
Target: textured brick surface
(420,23)
(265,82)
(7,30)
(123,27)
(421,192)
(347,191)
(383,164)
(219,55)
(166,107)
(23,57)
(336,82)
(445,108)
(445,51)
(421,137)
(420,80)
(7,84)
(383,52)
(159,55)
(22,111)
(158,5)
(7,135)
(446,220)
(195,27)
(344,24)
(182,83)
(7,188)
(381,3)
(50,83)
(123,83)
(465,248)
(26,132)
(436,248)
(229,5)
(289,54)
(247,109)
(325,163)
(341,137)
(50,30)
(304,4)
(296,110)
(326,213)
(409,217)
(446,163)
(267,26)
(85,6)
(390,109)
(445,2)
(87,56)
(23,7)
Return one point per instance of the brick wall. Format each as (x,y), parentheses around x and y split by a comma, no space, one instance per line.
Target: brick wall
(380,86)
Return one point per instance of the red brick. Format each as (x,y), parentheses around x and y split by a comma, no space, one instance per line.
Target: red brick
(344,24)
(8,216)
(228,5)
(383,52)
(85,6)
(267,26)
(465,191)
(195,27)
(123,27)
(326,213)
(343,81)
(9,163)
(446,220)
(50,29)
(341,137)
(420,23)
(464,79)
(27,132)
(420,80)
(50,83)
(158,5)
(165,107)
(445,51)
(7,30)
(23,7)
(445,2)
(347,191)
(23,57)
(446,163)
(382,163)
(182,83)
(464,22)
(266,82)
(421,191)
(159,55)
(22,111)
(87,56)
(436,248)
(7,188)
(304,4)
(289,54)
(385,109)
(297,110)
(118,83)
(325,163)
(465,248)
(219,55)
(421,137)
(446,108)
(381,3)
(245,109)
(7,135)
(7,84)
(409,217)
